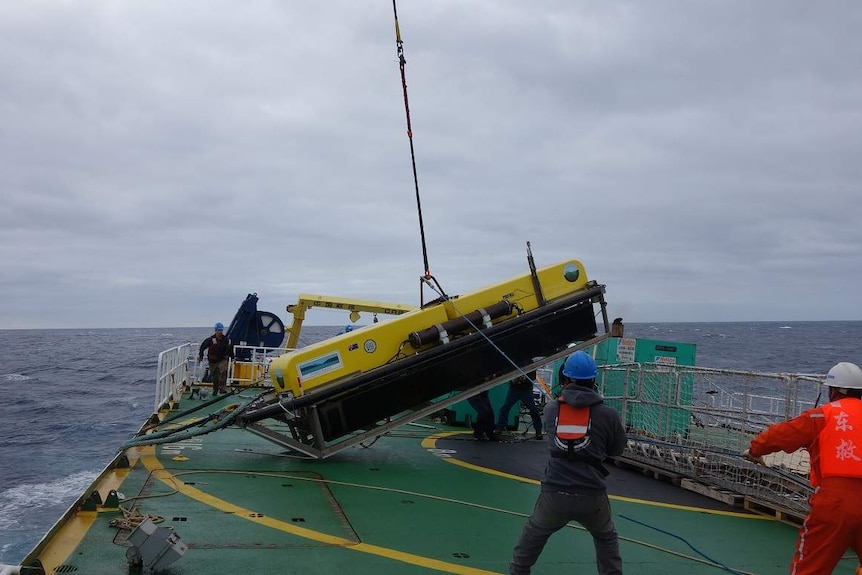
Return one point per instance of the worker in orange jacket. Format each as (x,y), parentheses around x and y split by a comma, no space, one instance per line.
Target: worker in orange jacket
(832,434)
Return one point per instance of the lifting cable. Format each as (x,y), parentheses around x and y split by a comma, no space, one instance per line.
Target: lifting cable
(402,62)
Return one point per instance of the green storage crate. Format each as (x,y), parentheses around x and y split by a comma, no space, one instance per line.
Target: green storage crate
(655,387)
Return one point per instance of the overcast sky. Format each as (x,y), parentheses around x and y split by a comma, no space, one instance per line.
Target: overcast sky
(160,160)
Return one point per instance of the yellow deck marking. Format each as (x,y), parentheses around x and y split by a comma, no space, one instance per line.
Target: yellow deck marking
(431,443)
(158,470)
(490,471)
(70,535)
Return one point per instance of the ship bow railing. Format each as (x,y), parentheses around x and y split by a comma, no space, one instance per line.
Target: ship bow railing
(174,370)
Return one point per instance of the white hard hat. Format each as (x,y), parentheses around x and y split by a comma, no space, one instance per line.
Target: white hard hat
(846,375)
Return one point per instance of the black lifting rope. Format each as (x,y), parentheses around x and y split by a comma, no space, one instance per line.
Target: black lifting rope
(427,278)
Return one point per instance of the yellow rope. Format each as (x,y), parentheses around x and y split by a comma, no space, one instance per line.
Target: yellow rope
(132,518)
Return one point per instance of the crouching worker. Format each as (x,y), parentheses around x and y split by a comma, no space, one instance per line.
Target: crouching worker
(582,432)
(832,434)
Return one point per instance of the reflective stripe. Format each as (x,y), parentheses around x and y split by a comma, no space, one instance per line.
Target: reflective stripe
(579,429)
(572,422)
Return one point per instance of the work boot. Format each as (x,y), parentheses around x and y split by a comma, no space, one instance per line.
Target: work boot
(539,435)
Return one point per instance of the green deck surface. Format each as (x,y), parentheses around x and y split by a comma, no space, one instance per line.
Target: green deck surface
(243,506)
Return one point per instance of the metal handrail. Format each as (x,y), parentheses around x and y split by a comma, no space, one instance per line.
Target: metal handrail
(255,370)
(172,373)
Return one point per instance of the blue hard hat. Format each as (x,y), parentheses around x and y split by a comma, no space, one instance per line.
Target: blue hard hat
(219,326)
(348,328)
(580,365)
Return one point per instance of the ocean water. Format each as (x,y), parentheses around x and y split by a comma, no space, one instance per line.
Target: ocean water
(69,398)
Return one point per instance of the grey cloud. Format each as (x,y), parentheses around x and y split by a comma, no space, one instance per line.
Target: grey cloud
(158,162)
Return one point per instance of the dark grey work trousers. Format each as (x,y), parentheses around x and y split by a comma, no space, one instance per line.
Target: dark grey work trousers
(552,511)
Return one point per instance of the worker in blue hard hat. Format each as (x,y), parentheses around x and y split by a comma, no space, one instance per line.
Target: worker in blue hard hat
(582,432)
(219,353)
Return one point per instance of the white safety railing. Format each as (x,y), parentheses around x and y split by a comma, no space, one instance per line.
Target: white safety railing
(694,422)
(172,372)
(178,367)
(251,368)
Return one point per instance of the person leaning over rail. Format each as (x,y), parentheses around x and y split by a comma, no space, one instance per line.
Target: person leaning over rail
(832,434)
(219,349)
(582,432)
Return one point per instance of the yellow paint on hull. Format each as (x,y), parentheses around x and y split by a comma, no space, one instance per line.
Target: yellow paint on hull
(70,534)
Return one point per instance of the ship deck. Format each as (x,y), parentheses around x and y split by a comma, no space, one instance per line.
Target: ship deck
(425,498)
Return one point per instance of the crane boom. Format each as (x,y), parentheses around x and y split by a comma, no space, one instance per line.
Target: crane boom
(354,306)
